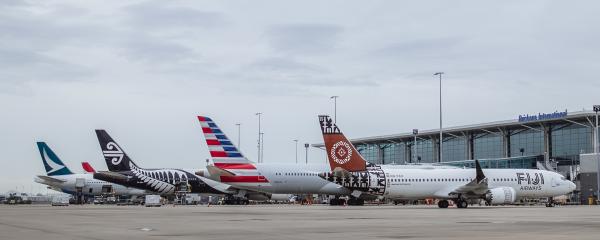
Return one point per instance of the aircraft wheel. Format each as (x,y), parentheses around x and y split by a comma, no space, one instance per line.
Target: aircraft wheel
(443,204)
(462,204)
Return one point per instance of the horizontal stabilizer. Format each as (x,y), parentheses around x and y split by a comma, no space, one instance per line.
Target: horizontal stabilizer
(340,172)
(215,171)
(50,179)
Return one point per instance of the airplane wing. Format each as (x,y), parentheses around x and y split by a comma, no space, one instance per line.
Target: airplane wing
(475,188)
(225,188)
(50,179)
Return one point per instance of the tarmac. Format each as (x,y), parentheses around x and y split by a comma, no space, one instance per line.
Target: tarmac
(283,222)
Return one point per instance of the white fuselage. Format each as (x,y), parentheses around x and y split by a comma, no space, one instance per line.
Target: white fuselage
(437,183)
(91,186)
(292,179)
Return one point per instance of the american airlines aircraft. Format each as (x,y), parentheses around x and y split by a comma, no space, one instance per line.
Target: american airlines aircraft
(496,186)
(232,168)
(123,170)
(60,178)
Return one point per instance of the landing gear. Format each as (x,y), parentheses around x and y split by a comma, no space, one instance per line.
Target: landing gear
(233,200)
(356,202)
(550,202)
(461,203)
(443,204)
(337,201)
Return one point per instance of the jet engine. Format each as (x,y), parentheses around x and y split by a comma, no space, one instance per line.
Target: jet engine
(501,195)
(266,196)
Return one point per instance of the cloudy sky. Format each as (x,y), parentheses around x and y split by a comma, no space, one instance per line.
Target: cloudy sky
(144,69)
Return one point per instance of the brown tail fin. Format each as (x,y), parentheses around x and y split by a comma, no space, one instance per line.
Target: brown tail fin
(340,152)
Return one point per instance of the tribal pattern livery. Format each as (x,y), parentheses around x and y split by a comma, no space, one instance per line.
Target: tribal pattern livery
(227,157)
(340,151)
(372,181)
(164,181)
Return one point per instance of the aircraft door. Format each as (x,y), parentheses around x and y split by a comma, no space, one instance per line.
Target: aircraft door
(107,189)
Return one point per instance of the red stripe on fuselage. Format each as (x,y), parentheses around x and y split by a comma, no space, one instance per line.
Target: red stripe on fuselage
(235,166)
(212,142)
(244,179)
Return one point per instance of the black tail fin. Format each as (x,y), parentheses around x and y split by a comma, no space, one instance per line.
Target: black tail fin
(116,159)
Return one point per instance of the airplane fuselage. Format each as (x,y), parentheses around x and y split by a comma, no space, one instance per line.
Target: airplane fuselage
(162,181)
(397,183)
(91,186)
(287,179)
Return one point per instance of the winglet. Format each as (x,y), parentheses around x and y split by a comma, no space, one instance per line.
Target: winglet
(479,175)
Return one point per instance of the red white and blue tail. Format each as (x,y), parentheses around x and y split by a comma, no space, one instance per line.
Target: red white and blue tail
(221,148)
(227,156)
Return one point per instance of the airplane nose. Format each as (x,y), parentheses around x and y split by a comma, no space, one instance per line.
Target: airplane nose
(572,186)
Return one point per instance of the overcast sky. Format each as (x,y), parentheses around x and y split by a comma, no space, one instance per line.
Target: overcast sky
(143,70)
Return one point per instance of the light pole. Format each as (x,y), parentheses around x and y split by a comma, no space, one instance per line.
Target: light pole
(296,141)
(262,146)
(306,153)
(441,138)
(334,108)
(414,155)
(259,132)
(239,145)
(597,109)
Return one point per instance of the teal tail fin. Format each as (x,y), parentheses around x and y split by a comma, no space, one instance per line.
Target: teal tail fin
(54,166)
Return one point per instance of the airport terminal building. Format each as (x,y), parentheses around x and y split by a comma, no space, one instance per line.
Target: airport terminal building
(544,140)
(560,137)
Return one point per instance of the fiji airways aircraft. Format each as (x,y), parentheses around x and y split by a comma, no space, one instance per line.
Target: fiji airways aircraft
(496,186)
(232,168)
(58,177)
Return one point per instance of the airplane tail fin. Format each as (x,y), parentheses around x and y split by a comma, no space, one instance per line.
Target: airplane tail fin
(224,154)
(54,166)
(340,152)
(116,159)
(87,167)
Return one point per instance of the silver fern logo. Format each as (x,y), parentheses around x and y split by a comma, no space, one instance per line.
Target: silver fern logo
(341,152)
(113,153)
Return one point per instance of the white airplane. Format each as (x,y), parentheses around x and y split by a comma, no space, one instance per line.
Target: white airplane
(60,178)
(496,186)
(232,168)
